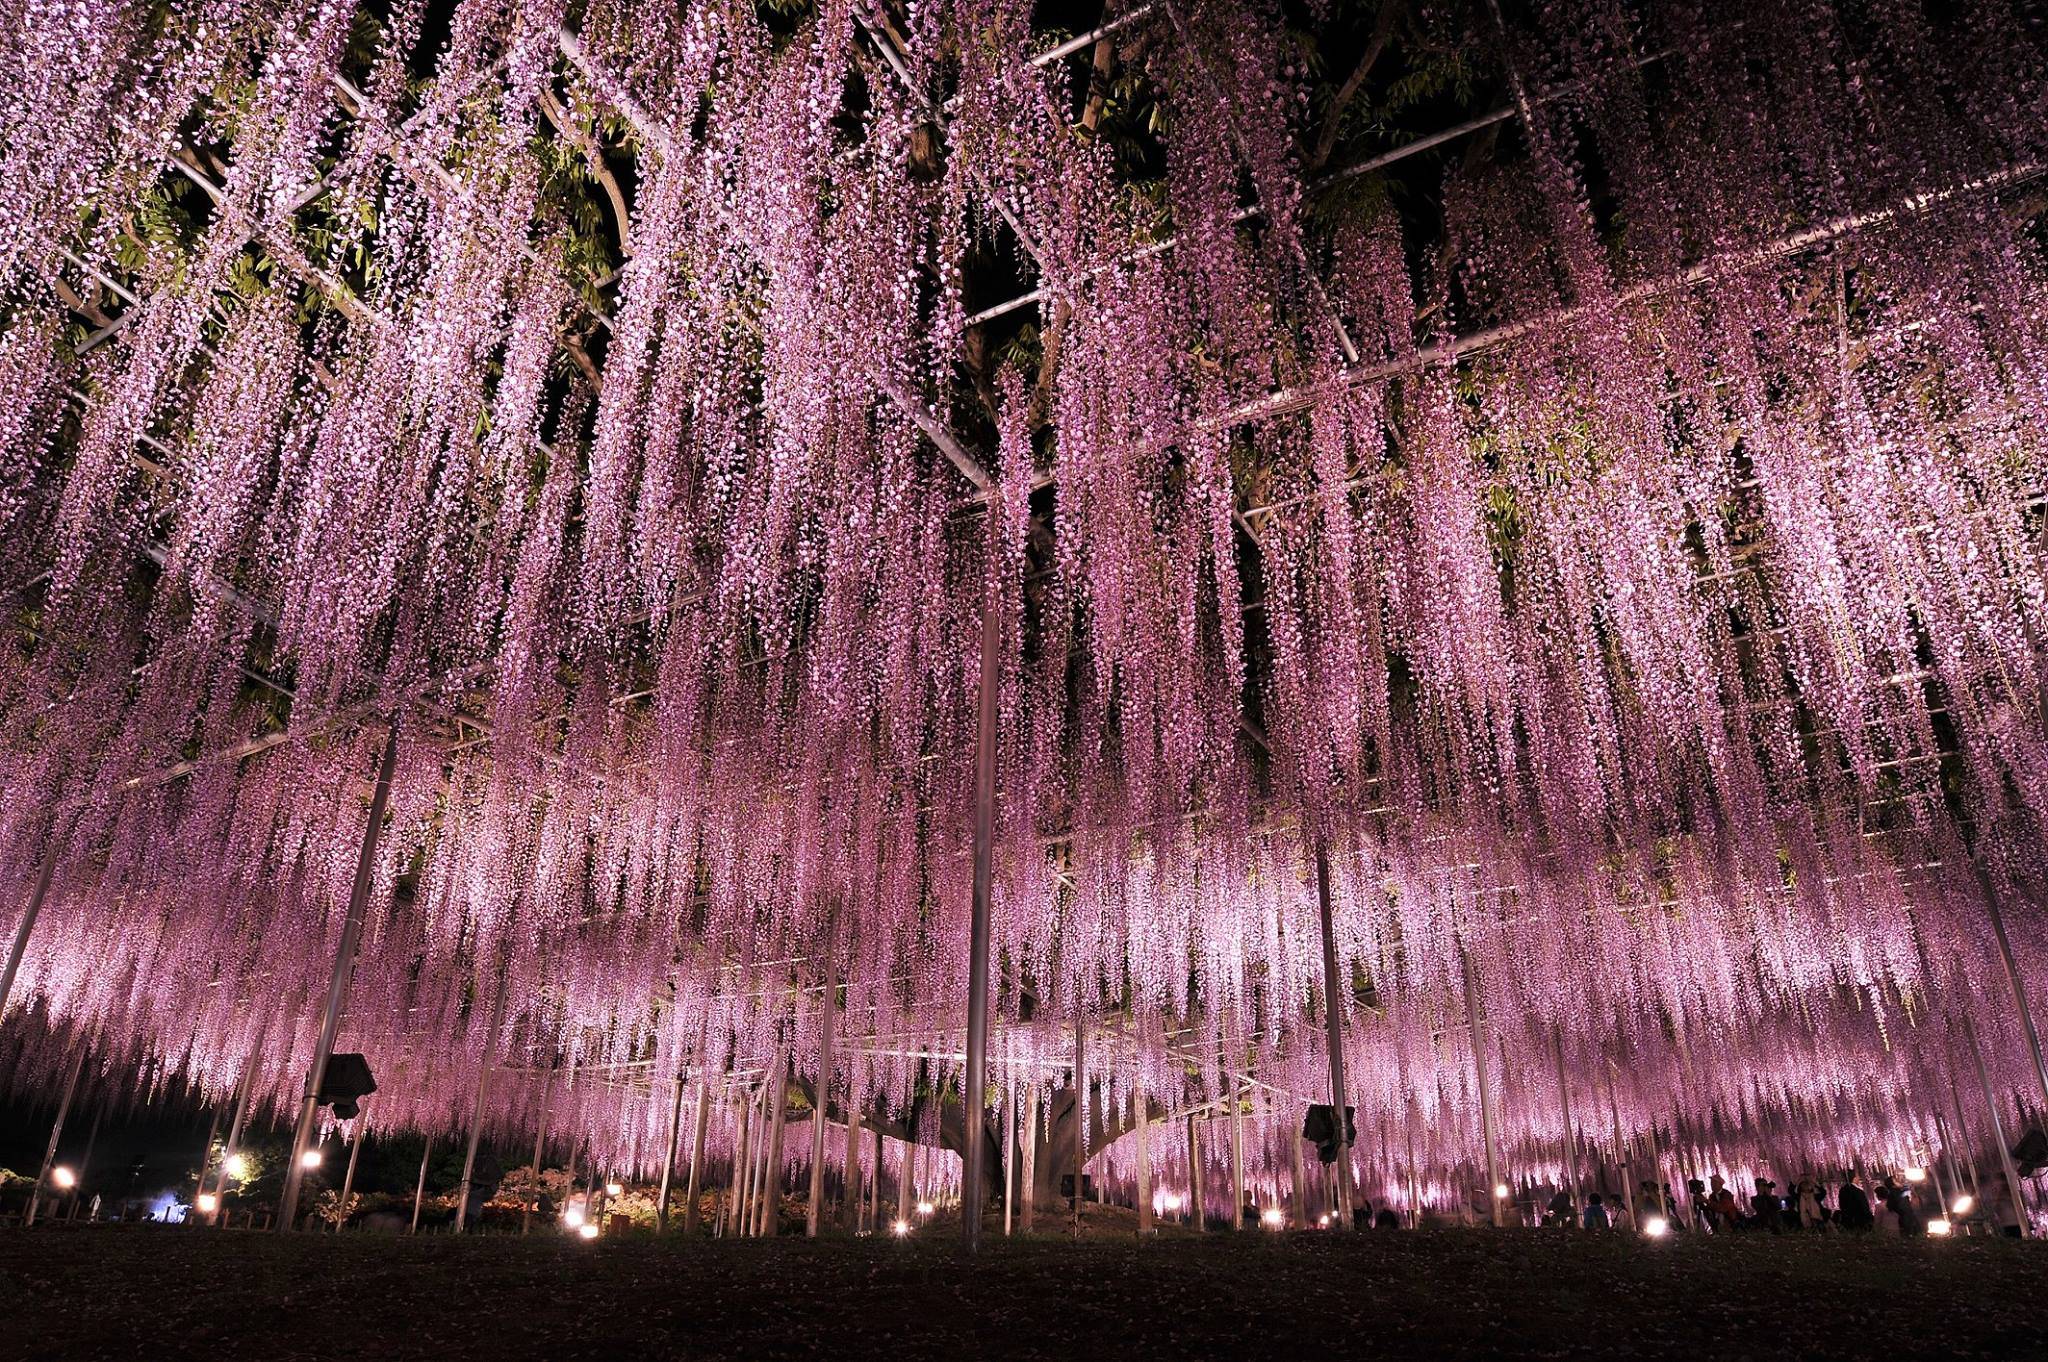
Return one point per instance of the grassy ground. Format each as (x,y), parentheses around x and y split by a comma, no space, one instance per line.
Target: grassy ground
(142,1292)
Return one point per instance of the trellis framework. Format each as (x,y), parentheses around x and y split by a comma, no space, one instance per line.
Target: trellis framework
(1572,479)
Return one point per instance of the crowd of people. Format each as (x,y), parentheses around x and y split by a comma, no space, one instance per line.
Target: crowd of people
(1891,1205)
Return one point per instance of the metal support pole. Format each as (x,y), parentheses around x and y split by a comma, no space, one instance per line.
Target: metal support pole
(1144,1166)
(668,1165)
(540,1135)
(1198,1211)
(736,1217)
(348,1179)
(2012,978)
(476,1130)
(337,984)
(1571,1137)
(905,1182)
(19,950)
(697,1155)
(850,1203)
(1493,1182)
(1080,1116)
(1236,1152)
(827,1023)
(419,1193)
(1628,1181)
(35,1196)
(973,1089)
(770,1209)
(1028,1173)
(1333,1019)
(227,1150)
(1302,1217)
(1010,1132)
(2013,1185)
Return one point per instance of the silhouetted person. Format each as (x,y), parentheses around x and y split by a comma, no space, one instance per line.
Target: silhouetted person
(1386,1219)
(1721,1207)
(1900,1203)
(1852,1208)
(1767,1206)
(1596,1212)
(1561,1211)
(1696,1201)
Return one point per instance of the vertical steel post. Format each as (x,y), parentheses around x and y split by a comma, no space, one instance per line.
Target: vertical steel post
(703,1118)
(2012,978)
(348,1179)
(540,1135)
(1236,1152)
(476,1130)
(419,1193)
(827,1024)
(1080,1115)
(668,1164)
(2013,1185)
(1198,1210)
(1493,1182)
(973,1082)
(1571,1137)
(1333,1019)
(337,984)
(1144,1165)
(19,950)
(35,1196)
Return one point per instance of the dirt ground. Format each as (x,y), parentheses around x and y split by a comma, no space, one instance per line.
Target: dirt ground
(148,1292)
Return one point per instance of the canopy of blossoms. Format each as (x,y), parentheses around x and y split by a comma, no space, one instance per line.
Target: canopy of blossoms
(1573,467)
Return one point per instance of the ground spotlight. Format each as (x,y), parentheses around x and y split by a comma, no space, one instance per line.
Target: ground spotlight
(573,1217)
(1939,1227)
(1272,1217)
(1656,1227)
(614,1189)
(1916,1174)
(236,1166)
(1964,1204)
(1324,1220)
(900,1227)
(1501,1189)
(207,1203)
(924,1208)
(587,1231)
(1170,1201)
(64,1178)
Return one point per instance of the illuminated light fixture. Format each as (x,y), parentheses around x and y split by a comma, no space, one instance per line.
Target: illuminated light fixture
(310,1159)
(64,1178)
(207,1203)
(900,1227)
(1656,1227)
(1916,1174)
(1170,1201)
(1272,1217)
(1939,1227)
(587,1231)
(924,1208)
(614,1189)
(236,1166)
(1964,1204)
(1501,1189)
(1324,1220)
(573,1217)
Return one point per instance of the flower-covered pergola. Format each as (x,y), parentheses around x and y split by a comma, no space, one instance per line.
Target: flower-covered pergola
(1489,555)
